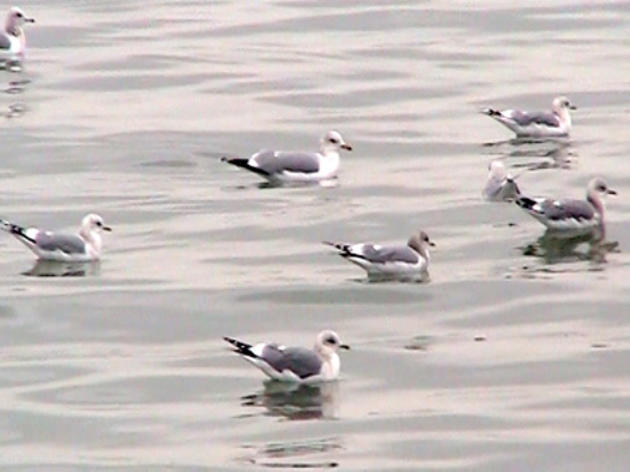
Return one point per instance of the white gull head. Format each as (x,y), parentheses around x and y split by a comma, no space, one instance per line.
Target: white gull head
(326,346)
(15,19)
(91,227)
(420,243)
(561,106)
(332,142)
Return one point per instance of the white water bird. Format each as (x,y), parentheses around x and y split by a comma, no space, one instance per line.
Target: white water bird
(295,166)
(295,364)
(500,186)
(537,124)
(410,261)
(12,38)
(571,216)
(84,246)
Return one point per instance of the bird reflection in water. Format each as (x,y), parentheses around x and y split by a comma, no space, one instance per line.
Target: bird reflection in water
(555,153)
(554,248)
(297,401)
(43,268)
(301,454)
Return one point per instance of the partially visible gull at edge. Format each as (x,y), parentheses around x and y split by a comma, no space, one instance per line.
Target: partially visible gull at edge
(84,246)
(295,166)
(537,124)
(12,38)
(408,262)
(295,364)
(572,217)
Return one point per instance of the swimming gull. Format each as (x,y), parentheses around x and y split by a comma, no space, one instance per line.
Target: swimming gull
(292,166)
(295,364)
(83,246)
(500,185)
(12,38)
(571,216)
(405,262)
(538,124)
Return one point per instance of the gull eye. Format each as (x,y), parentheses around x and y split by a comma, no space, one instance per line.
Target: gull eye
(331,340)
(99,223)
(333,140)
(18,14)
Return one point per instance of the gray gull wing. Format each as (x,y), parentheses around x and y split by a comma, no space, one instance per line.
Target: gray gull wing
(68,243)
(301,361)
(525,118)
(274,162)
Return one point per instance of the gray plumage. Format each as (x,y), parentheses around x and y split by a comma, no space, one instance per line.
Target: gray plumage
(301,361)
(5,41)
(68,243)
(384,254)
(273,162)
(557,210)
(526,118)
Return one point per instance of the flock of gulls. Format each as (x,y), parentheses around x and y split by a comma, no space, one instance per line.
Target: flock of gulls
(564,217)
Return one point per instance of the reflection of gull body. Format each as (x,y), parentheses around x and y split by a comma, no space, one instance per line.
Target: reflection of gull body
(297,401)
(81,247)
(570,216)
(500,185)
(540,124)
(289,166)
(410,261)
(12,38)
(295,364)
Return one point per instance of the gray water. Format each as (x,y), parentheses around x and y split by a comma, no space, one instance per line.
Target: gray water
(514,357)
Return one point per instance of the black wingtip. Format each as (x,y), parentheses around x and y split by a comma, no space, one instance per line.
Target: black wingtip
(240,347)
(490,112)
(525,202)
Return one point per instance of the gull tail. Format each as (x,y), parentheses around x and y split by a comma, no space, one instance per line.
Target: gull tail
(526,203)
(491,112)
(16,230)
(343,248)
(240,347)
(244,164)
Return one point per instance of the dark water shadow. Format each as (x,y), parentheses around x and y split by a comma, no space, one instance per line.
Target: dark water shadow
(556,153)
(423,278)
(291,454)
(13,64)
(296,401)
(15,109)
(43,268)
(555,248)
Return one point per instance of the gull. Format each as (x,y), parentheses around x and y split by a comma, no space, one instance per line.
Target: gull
(406,262)
(571,216)
(538,124)
(500,185)
(12,38)
(294,166)
(295,364)
(83,246)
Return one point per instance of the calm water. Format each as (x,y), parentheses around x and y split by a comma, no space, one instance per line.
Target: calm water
(514,357)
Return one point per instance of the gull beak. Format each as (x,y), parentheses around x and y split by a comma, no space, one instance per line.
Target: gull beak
(572,107)
(106,228)
(611,192)
(345,146)
(29,20)
(344,346)
(431,243)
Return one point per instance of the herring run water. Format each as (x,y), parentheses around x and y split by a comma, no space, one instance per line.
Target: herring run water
(513,356)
